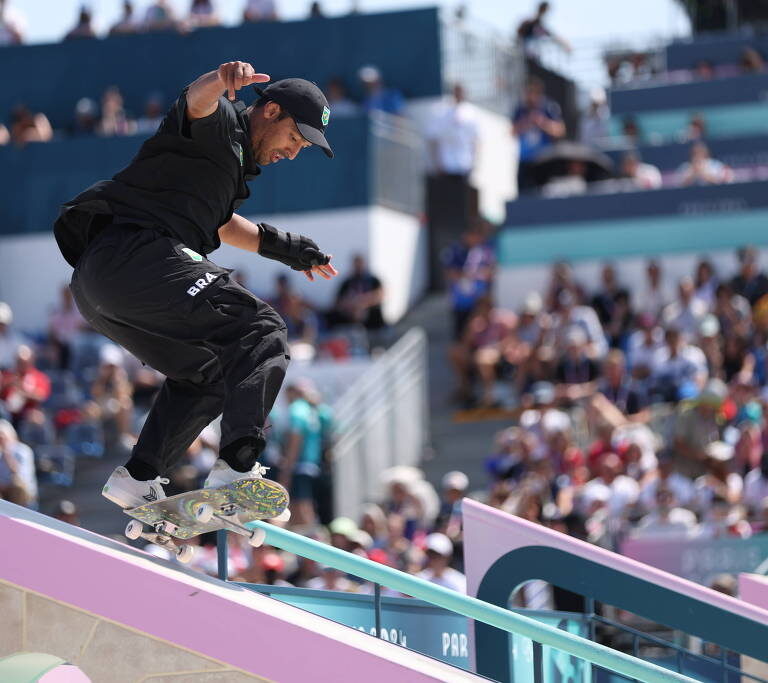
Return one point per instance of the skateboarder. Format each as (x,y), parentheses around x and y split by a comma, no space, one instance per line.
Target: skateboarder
(138,244)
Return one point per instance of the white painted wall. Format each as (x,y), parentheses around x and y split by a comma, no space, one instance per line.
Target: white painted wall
(495,172)
(32,270)
(513,284)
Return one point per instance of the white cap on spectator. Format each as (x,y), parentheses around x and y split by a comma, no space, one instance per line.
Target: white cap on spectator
(455,480)
(714,392)
(369,74)
(401,474)
(575,336)
(440,544)
(719,450)
(710,326)
(533,303)
(543,392)
(361,538)
(111,354)
(6,314)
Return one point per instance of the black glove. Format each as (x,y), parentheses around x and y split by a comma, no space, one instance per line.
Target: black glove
(296,251)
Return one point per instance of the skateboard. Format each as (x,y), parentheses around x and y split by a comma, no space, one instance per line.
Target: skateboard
(190,514)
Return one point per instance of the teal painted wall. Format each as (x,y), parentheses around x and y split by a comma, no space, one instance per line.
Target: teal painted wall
(631,237)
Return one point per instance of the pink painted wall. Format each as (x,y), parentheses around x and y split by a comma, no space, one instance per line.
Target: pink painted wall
(753,589)
(219,620)
(490,533)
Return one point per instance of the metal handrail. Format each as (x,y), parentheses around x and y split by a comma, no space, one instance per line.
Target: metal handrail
(472,608)
(674,646)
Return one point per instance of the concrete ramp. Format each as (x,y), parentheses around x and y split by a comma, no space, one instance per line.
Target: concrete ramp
(122,615)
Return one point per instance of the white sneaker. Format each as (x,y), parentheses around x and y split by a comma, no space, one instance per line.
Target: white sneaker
(222,474)
(127,492)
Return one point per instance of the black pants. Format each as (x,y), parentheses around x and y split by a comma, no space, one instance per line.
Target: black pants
(222,349)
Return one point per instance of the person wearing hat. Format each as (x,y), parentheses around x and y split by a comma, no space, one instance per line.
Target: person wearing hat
(438,549)
(139,244)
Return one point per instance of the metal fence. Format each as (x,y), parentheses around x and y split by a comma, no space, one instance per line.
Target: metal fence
(382,421)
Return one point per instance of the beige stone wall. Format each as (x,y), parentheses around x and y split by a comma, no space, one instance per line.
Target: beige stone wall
(105,651)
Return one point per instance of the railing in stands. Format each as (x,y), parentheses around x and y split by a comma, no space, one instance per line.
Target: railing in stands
(382,421)
(542,634)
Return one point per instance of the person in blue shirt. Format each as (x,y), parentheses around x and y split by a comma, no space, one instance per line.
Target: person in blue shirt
(379,97)
(301,463)
(536,122)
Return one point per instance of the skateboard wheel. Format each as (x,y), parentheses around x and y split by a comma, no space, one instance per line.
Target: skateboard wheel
(185,553)
(284,516)
(257,537)
(204,513)
(134,529)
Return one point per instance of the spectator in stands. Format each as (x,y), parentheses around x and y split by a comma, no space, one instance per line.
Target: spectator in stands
(452,134)
(679,369)
(536,122)
(666,517)
(439,551)
(114,120)
(696,130)
(751,61)
(12,25)
(611,486)
(127,22)
(719,479)
(66,511)
(29,127)
(159,16)
(481,350)
(18,483)
(705,282)
(751,283)
(259,10)
(569,315)
(576,370)
(618,387)
(531,32)
(82,28)
(86,119)
(64,324)
(562,279)
(572,184)
(687,311)
(702,169)
(300,465)
(642,176)
(631,134)
(316,10)
(665,477)
(378,96)
(339,102)
(594,122)
(112,391)
(604,299)
(10,340)
(697,425)
(153,115)
(469,267)
(704,70)
(359,301)
(24,387)
(202,13)
(653,296)
(756,486)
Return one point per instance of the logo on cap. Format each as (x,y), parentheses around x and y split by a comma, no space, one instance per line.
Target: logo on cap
(326,115)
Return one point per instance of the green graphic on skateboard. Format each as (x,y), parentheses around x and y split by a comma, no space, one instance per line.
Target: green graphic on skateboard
(190,514)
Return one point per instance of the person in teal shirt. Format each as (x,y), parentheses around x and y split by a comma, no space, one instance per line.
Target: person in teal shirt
(301,462)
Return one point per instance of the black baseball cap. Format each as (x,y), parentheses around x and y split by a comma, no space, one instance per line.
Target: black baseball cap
(305,102)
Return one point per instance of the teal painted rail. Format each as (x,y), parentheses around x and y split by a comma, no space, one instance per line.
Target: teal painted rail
(470,607)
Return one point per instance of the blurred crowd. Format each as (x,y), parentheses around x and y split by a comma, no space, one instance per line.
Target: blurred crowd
(636,412)
(108,116)
(67,393)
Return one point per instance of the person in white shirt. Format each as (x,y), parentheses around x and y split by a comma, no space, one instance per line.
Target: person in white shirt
(687,311)
(665,477)
(571,315)
(619,491)
(641,176)
(10,341)
(439,550)
(655,294)
(644,345)
(702,169)
(756,487)
(452,135)
(719,481)
(666,518)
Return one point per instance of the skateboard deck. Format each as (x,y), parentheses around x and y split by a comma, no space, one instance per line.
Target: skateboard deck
(240,502)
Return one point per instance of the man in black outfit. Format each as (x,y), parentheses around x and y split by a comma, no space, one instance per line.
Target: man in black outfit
(138,244)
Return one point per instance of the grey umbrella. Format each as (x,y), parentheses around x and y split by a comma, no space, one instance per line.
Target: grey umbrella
(555,160)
